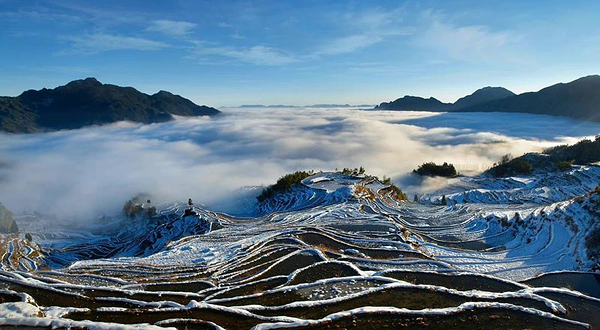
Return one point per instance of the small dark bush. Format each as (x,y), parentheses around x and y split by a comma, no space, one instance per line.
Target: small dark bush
(432,169)
(283,184)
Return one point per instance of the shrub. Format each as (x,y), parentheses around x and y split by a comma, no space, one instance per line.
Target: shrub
(283,184)
(385,180)
(432,169)
(564,165)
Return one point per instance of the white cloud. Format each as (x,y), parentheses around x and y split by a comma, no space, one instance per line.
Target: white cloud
(100,42)
(172,28)
(367,28)
(259,55)
(92,171)
(349,44)
(467,42)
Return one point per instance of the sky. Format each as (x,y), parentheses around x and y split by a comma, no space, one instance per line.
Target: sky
(228,53)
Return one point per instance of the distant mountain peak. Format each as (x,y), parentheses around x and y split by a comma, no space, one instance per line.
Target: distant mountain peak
(482,95)
(87,82)
(409,102)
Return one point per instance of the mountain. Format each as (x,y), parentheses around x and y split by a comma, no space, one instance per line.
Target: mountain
(89,102)
(415,103)
(578,99)
(483,95)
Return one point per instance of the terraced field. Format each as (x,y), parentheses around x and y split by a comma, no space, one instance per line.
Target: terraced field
(335,252)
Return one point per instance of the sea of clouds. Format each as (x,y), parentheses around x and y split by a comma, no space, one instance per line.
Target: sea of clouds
(92,171)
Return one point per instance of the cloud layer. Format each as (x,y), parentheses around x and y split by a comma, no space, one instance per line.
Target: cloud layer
(90,172)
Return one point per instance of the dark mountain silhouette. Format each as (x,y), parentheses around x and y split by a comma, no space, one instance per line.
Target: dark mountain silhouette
(415,103)
(577,99)
(88,102)
(482,95)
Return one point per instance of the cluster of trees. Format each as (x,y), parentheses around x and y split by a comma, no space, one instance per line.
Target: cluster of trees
(136,207)
(561,158)
(353,171)
(511,166)
(432,169)
(284,184)
(583,152)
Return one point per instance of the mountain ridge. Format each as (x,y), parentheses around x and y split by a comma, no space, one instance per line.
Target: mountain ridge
(87,102)
(579,99)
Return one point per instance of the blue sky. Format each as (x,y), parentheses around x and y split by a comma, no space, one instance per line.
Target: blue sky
(226,53)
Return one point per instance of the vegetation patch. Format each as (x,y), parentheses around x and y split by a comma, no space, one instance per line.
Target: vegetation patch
(353,171)
(432,169)
(511,166)
(139,206)
(583,152)
(284,184)
(561,158)
(396,192)
(592,244)
(564,165)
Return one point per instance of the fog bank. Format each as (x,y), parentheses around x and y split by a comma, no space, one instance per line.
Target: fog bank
(93,171)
